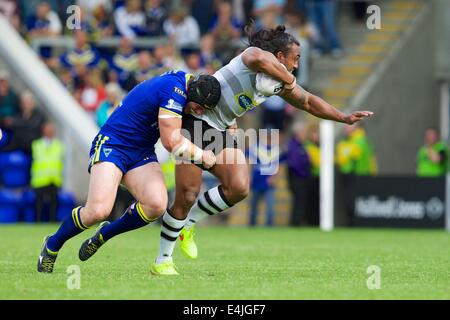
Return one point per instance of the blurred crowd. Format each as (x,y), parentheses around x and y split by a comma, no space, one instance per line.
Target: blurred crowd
(198,36)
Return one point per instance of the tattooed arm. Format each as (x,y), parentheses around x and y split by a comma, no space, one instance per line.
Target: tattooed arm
(302,99)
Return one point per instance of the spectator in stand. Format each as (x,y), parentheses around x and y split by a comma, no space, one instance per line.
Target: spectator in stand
(101,25)
(125,63)
(322,14)
(44,24)
(355,157)
(312,146)
(308,36)
(10,10)
(159,66)
(47,170)
(82,55)
(130,19)
(181,28)
(93,92)
(262,8)
(114,95)
(432,157)
(156,14)
(273,113)
(208,58)
(25,127)
(192,62)
(28,7)
(225,28)
(9,104)
(144,70)
(202,11)
(262,157)
(354,154)
(299,173)
(66,78)
(91,6)
(172,58)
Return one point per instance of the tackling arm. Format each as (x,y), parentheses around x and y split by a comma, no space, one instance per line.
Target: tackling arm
(177,144)
(302,99)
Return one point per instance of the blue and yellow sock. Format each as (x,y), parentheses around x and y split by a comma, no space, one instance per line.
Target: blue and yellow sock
(68,229)
(133,218)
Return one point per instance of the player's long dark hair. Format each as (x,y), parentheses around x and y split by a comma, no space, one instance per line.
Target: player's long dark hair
(272,40)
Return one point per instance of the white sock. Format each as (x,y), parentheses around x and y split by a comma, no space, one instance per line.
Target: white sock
(170,229)
(209,203)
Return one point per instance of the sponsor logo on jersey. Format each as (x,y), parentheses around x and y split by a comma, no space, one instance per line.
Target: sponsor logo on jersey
(172,105)
(244,101)
(180,92)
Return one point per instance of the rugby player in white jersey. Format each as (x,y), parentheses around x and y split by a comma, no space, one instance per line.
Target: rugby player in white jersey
(272,52)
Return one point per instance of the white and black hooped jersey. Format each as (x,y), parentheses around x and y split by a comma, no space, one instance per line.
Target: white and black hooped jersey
(238,94)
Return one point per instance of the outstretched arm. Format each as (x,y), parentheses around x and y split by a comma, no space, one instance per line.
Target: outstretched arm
(302,99)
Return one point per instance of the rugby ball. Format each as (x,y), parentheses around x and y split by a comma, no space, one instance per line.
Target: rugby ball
(267,86)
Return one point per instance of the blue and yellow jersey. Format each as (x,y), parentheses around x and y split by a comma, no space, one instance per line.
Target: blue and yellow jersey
(135,121)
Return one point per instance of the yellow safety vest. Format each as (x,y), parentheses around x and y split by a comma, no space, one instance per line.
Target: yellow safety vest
(47,165)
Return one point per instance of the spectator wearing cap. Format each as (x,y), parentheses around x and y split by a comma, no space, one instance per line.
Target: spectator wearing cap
(130,19)
(181,28)
(25,127)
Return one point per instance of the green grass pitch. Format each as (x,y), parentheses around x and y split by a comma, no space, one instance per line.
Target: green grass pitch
(235,263)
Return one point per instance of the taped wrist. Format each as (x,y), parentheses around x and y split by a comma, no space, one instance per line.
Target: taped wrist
(188,151)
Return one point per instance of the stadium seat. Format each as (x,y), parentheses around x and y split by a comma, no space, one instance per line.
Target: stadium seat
(15,169)
(6,137)
(10,203)
(66,203)
(28,202)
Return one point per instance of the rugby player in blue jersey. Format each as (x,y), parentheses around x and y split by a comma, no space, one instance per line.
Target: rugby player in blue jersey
(123,153)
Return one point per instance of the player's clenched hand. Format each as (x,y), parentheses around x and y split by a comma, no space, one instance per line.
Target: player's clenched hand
(357,116)
(208,159)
